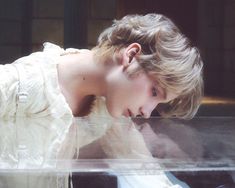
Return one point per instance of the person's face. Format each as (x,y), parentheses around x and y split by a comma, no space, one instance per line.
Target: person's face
(132,95)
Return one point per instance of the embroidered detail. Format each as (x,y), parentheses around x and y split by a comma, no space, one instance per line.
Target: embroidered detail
(22,97)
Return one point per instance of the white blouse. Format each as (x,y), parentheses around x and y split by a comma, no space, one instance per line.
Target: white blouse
(29,86)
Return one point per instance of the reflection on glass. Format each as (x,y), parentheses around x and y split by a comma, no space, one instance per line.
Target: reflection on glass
(136,152)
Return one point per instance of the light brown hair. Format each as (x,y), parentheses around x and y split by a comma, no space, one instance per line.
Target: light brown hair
(167,56)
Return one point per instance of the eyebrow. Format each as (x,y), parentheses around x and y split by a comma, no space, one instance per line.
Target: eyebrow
(163,91)
(164,94)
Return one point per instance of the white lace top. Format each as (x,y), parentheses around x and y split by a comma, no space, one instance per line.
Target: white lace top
(29,86)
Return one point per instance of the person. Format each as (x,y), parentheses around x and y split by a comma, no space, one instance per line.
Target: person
(139,63)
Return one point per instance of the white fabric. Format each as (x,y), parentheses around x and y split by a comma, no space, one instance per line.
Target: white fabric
(32,143)
(40,82)
(34,109)
(148,181)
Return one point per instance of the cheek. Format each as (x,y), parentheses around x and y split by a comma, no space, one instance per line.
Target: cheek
(114,101)
(111,107)
(140,90)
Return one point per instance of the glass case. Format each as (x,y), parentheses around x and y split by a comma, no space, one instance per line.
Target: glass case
(102,152)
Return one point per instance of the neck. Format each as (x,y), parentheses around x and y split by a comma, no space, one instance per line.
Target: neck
(78,73)
(80,77)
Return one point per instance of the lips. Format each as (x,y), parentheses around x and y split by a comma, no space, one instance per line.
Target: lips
(128,113)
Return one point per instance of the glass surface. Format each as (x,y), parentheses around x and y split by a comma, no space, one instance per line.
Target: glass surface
(199,152)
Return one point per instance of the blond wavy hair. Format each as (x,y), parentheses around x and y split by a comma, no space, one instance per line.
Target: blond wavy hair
(167,56)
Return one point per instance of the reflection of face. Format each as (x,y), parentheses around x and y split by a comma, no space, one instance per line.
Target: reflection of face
(167,148)
(160,145)
(133,95)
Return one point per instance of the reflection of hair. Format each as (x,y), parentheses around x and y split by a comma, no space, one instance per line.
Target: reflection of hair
(166,56)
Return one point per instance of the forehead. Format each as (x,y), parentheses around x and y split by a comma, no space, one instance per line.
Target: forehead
(170,96)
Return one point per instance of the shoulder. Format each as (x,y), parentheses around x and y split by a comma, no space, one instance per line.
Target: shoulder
(52,48)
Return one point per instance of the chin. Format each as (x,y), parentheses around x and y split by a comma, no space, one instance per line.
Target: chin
(112,110)
(114,113)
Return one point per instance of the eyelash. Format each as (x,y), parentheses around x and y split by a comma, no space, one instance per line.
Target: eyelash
(154,92)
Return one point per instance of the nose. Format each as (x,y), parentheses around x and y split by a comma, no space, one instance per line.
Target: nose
(147,109)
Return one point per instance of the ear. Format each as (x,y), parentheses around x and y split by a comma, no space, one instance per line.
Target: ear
(130,52)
